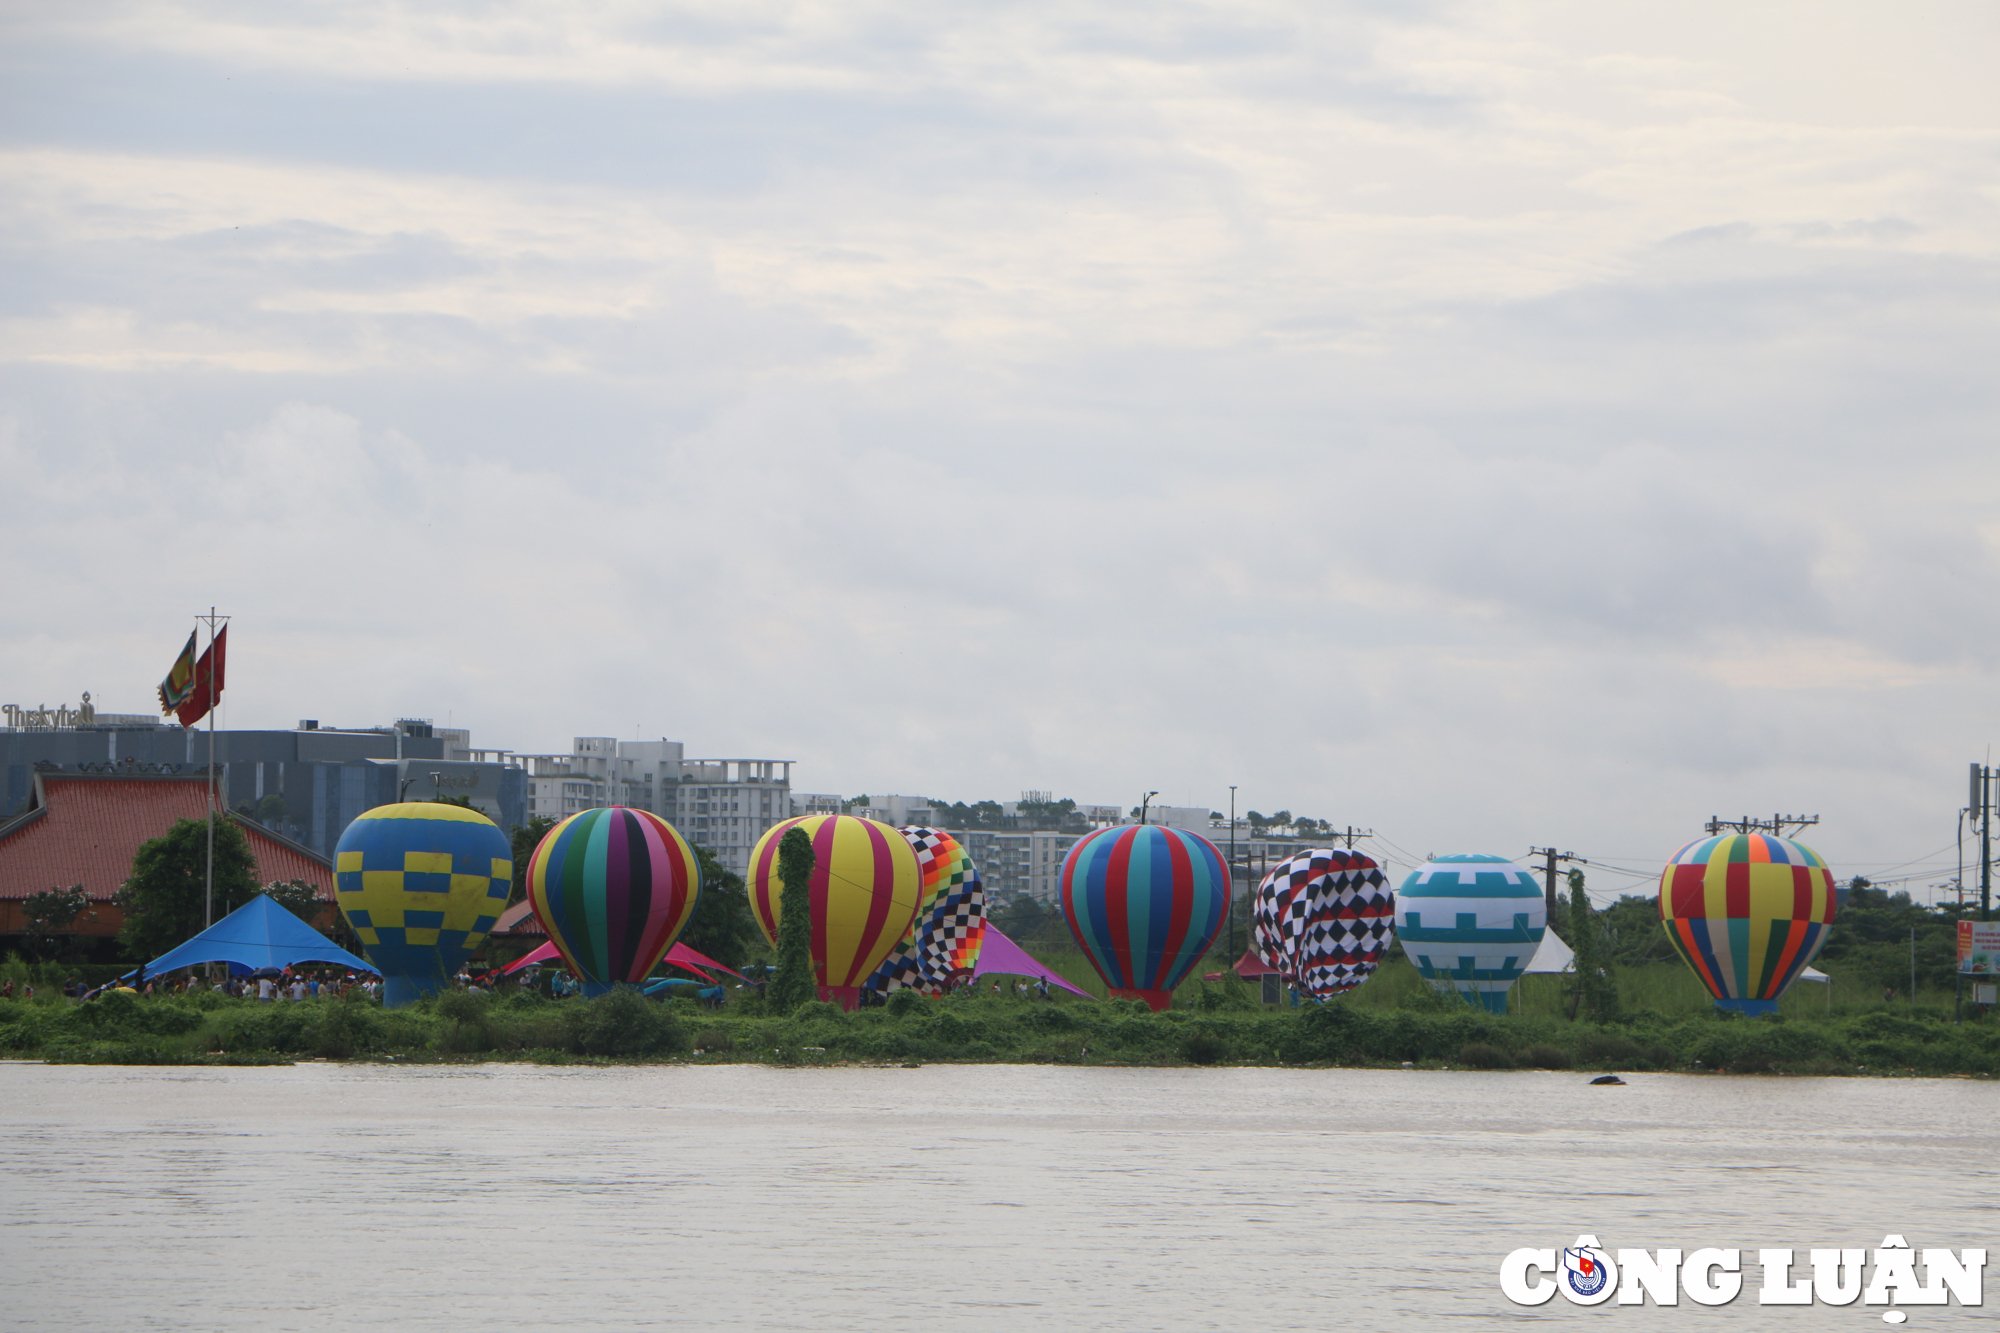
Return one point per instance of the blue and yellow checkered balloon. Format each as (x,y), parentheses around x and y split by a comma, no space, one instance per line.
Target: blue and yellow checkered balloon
(421,884)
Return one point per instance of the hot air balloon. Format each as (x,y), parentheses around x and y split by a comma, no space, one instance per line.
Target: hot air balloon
(1144,903)
(614,888)
(865,885)
(1747,911)
(1471,923)
(421,884)
(944,940)
(1323,919)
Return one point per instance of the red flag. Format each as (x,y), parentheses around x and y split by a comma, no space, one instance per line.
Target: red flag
(179,684)
(207,689)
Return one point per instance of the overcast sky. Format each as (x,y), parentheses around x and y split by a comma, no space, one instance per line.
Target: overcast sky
(1495,423)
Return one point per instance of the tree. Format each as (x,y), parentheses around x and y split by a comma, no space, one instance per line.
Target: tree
(722,926)
(1593,989)
(163,900)
(295,896)
(524,839)
(49,915)
(793,985)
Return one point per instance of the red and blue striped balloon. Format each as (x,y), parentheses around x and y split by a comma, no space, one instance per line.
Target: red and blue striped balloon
(1145,903)
(614,888)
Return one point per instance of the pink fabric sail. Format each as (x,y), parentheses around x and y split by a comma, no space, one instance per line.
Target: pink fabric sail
(1000,954)
(681,956)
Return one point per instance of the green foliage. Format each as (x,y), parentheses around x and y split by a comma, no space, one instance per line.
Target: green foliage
(295,896)
(1594,991)
(623,1023)
(163,901)
(722,925)
(1484,1055)
(793,985)
(49,915)
(523,841)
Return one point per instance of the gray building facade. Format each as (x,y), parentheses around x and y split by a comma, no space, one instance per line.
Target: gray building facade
(307,784)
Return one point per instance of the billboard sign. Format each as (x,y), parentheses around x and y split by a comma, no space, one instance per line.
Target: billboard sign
(1979,948)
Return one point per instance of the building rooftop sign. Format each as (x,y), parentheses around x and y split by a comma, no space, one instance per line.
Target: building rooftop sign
(45,718)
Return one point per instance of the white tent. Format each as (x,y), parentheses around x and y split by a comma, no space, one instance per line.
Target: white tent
(1814,974)
(1553,957)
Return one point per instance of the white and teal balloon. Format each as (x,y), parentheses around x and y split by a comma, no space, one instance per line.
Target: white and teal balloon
(1471,923)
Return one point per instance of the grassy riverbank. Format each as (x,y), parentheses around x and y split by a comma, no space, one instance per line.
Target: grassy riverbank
(1218,1024)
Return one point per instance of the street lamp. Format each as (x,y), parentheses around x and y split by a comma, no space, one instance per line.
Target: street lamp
(1143,803)
(1229,899)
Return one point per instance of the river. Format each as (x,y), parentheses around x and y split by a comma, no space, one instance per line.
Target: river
(324,1196)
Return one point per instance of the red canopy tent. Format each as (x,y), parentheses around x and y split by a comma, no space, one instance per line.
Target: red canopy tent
(1250,966)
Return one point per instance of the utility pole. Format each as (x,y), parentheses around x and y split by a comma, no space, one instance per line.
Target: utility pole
(1982,810)
(1782,826)
(1353,833)
(1550,857)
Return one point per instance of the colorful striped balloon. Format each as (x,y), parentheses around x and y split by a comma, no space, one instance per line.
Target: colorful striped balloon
(614,888)
(1144,903)
(421,884)
(865,887)
(1748,912)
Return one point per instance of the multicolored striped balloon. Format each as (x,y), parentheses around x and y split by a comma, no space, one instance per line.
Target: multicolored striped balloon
(614,888)
(1748,912)
(1471,923)
(1322,919)
(865,887)
(1144,903)
(944,940)
(421,884)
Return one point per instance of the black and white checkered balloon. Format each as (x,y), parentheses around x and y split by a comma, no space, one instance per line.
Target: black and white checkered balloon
(1323,919)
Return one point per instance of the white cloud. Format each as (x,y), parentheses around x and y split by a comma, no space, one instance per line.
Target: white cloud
(1493,423)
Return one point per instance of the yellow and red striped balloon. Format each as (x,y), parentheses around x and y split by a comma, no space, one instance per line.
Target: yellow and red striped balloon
(865,888)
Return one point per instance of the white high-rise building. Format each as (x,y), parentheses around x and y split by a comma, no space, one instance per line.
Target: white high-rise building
(721,804)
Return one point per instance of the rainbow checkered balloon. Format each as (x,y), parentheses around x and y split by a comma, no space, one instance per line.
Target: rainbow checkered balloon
(1748,912)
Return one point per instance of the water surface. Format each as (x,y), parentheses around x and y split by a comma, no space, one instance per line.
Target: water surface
(981,1197)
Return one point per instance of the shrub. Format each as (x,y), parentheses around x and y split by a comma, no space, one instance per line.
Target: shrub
(1204,1047)
(904,1002)
(621,1023)
(347,1027)
(1546,1057)
(1484,1055)
(1049,1018)
(1607,1048)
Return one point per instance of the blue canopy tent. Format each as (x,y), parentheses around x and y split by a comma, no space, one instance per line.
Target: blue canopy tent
(256,935)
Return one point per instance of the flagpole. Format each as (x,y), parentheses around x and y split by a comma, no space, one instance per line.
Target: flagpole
(208,883)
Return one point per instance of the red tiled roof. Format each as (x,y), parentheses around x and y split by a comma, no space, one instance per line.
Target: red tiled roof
(86,828)
(519,922)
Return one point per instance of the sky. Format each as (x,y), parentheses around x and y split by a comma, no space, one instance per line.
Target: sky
(1494,424)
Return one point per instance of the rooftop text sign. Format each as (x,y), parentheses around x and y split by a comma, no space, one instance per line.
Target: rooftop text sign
(44,718)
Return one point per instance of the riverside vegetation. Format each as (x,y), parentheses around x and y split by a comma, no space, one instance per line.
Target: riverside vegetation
(1632,1006)
(1396,1019)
